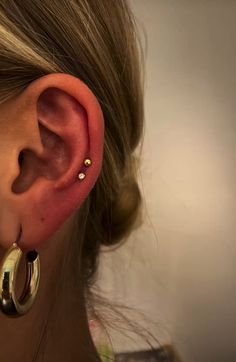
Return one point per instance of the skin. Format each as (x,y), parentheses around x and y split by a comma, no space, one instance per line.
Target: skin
(58,123)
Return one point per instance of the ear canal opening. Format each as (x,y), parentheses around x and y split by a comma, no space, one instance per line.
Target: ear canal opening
(21,158)
(21,183)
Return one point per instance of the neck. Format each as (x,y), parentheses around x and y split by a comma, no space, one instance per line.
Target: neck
(69,339)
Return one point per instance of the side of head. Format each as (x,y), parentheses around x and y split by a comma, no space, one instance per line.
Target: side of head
(71,88)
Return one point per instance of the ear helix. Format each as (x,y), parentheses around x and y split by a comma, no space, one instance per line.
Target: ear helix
(81,175)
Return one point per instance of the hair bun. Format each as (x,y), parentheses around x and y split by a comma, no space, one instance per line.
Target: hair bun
(120,218)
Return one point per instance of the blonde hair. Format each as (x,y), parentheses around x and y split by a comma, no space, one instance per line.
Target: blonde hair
(98,42)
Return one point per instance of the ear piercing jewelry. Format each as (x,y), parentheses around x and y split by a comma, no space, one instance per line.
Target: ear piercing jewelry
(87,163)
(9,303)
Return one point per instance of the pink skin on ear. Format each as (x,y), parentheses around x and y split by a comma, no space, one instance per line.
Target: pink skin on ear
(53,191)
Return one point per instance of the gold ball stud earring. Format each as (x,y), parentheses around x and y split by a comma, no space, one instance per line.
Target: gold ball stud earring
(87,162)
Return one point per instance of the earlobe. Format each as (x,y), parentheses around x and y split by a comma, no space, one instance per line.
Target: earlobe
(55,180)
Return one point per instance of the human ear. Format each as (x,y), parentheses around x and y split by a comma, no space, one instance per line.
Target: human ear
(47,131)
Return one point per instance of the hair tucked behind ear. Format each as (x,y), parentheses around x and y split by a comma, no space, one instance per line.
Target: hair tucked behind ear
(98,42)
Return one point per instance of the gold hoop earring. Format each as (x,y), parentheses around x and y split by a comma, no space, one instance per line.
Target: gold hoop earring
(8,272)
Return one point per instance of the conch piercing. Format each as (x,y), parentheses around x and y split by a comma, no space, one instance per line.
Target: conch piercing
(87,163)
(9,304)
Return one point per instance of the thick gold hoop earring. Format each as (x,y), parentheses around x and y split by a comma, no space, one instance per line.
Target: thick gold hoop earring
(8,272)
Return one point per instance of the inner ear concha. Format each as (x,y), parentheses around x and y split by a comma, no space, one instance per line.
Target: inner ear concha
(51,165)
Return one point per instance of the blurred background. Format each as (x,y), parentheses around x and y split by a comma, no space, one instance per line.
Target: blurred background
(179,268)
